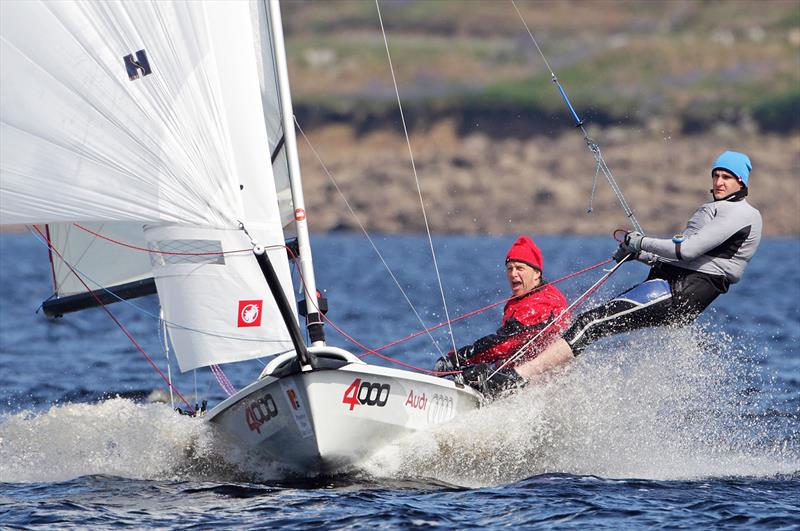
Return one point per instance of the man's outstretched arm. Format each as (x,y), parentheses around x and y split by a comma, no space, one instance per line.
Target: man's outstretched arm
(557,354)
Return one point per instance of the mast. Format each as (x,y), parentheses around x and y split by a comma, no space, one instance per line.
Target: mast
(313,318)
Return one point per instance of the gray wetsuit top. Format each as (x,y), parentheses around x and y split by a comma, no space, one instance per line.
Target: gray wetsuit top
(721,238)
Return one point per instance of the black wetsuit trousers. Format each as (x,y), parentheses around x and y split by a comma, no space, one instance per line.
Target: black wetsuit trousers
(692,292)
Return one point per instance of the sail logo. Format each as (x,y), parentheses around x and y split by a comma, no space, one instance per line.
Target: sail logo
(250,313)
(135,67)
(418,401)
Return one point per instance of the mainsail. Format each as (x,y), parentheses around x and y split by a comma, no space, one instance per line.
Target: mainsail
(146,119)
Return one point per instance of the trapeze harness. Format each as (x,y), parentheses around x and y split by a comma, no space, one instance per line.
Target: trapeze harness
(688,272)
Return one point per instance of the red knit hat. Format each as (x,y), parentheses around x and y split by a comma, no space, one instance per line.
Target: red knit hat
(524,250)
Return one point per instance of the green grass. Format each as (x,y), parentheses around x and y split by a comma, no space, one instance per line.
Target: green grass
(630,58)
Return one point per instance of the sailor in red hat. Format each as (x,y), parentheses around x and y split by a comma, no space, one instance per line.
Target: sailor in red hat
(535,304)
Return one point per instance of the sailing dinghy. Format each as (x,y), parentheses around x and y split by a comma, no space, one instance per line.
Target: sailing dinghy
(155,142)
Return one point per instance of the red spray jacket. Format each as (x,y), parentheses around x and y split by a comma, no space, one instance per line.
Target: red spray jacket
(523,318)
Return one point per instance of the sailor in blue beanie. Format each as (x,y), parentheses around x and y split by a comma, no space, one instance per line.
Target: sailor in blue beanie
(688,271)
(736,163)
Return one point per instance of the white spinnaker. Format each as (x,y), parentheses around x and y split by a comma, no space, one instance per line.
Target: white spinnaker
(81,141)
(181,153)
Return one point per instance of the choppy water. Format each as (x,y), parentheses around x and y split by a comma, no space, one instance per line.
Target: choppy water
(665,428)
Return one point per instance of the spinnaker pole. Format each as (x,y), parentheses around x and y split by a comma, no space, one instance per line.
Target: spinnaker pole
(313,318)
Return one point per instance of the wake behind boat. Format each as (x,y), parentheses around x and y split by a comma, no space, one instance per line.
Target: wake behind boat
(158,155)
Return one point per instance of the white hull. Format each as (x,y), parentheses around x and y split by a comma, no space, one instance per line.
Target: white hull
(324,420)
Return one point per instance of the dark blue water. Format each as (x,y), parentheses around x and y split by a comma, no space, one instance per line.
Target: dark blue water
(666,428)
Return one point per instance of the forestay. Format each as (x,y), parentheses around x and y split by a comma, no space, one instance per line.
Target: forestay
(148,115)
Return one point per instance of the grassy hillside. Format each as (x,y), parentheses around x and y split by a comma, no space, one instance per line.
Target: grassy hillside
(696,63)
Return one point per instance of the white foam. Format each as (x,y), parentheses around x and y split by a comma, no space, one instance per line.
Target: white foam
(115,437)
(664,408)
(118,437)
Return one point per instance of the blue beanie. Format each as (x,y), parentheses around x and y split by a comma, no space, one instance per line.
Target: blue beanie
(737,163)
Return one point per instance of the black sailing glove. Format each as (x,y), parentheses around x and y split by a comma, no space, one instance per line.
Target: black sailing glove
(453,360)
(621,253)
(633,242)
(478,377)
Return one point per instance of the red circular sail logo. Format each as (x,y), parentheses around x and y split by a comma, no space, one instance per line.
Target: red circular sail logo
(250,313)
(299,214)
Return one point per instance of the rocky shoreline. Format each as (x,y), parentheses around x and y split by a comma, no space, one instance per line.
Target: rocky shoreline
(476,184)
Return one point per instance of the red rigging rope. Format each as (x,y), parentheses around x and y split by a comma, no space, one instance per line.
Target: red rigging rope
(118,323)
(156,251)
(216,370)
(222,380)
(370,351)
(485,308)
(383,356)
(219,374)
(361,345)
(230,389)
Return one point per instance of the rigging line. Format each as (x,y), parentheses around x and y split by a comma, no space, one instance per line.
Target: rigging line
(594,188)
(366,348)
(591,144)
(369,239)
(416,178)
(485,308)
(121,327)
(384,356)
(155,251)
(165,344)
(142,310)
(226,380)
(546,63)
(371,351)
(580,300)
(356,342)
(222,380)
